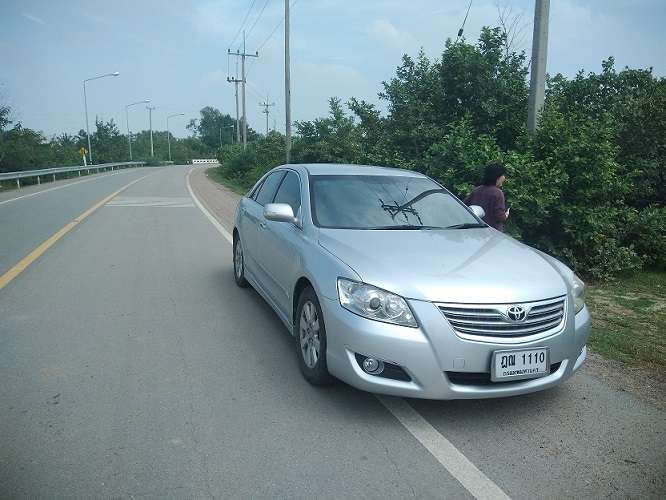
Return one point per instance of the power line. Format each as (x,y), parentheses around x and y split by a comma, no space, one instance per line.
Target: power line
(249,32)
(243,23)
(462,27)
(294,2)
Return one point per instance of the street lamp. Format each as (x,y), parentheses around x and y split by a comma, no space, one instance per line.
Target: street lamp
(168,134)
(85,102)
(129,134)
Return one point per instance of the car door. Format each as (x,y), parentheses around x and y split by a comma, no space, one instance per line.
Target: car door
(279,254)
(253,222)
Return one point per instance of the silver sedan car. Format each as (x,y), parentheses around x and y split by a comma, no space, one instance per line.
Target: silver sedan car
(390,283)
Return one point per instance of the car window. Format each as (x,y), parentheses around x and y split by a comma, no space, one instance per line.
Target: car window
(268,188)
(290,192)
(255,190)
(383,202)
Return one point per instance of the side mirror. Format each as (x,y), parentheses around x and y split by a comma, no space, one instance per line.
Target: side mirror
(279,212)
(478,211)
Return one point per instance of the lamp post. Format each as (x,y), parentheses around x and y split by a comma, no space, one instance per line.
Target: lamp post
(129,134)
(168,134)
(85,103)
(150,121)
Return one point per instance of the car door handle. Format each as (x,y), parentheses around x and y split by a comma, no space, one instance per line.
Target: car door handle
(262,225)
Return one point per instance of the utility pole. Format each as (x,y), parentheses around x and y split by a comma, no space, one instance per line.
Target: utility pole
(236,81)
(266,105)
(150,121)
(287,83)
(538,70)
(129,133)
(243,55)
(169,133)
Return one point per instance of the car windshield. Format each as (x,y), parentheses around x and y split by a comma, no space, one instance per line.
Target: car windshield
(385,202)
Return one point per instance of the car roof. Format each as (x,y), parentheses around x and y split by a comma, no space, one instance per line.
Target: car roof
(348,169)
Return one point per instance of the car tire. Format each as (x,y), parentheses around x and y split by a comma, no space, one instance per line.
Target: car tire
(239,263)
(310,339)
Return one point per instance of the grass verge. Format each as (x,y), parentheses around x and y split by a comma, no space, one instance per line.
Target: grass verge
(216,174)
(629,319)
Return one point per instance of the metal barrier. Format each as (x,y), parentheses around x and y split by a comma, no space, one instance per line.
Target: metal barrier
(211,160)
(9,176)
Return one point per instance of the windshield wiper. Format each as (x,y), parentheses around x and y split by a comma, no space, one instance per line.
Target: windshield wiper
(403,226)
(466,225)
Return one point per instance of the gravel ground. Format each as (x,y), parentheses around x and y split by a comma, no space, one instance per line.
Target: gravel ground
(218,199)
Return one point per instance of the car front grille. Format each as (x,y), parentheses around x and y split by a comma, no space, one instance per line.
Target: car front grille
(493,320)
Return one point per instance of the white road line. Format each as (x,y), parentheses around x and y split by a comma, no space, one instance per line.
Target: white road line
(467,474)
(210,217)
(458,465)
(64,186)
(150,205)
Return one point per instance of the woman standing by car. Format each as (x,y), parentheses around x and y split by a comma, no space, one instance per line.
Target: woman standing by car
(490,197)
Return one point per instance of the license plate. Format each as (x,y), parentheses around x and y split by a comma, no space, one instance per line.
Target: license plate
(519,364)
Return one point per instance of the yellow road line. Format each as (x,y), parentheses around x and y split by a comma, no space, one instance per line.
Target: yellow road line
(23,264)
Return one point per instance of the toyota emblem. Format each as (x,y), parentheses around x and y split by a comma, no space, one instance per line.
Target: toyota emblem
(516,313)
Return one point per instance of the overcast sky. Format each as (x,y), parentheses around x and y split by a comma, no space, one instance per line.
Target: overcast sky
(174,52)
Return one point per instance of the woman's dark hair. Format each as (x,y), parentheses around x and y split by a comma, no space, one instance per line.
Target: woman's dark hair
(491,173)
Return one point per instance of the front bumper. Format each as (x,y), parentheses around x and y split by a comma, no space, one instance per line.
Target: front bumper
(428,352)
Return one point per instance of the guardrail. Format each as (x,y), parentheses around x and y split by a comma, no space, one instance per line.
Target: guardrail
(196,161)
(23,174)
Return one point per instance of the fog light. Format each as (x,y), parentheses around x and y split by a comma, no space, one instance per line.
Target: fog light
(373,366)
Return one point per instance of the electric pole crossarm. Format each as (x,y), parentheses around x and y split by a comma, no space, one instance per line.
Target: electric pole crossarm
(242,56)
(236,81)
(266,105)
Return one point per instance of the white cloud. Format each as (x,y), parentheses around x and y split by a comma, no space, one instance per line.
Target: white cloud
(34,19)
(214,20)
(215,77)
(387,34)
(314,83)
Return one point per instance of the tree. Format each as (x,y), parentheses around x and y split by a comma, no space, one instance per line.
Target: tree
(108,143)
(334,139)
(214,129)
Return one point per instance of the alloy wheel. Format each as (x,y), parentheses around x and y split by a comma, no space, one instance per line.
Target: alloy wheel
(309,329)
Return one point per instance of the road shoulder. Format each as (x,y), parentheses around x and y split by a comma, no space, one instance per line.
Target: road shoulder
(219,200)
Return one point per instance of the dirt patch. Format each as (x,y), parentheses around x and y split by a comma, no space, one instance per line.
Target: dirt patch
(218,199)
(646,383)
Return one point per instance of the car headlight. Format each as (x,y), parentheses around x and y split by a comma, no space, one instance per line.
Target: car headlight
(578,289)
(374,303)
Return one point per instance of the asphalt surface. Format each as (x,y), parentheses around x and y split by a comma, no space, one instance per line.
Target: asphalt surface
(32,218)
(132,366)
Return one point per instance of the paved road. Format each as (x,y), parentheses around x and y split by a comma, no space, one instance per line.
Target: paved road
(27,218)
(131,366)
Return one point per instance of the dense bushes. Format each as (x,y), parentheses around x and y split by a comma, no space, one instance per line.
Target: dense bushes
(587,188)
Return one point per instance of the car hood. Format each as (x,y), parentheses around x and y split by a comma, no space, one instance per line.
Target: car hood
(477,265)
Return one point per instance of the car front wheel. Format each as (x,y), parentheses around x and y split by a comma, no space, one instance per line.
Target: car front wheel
(239,264)
(311,339)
